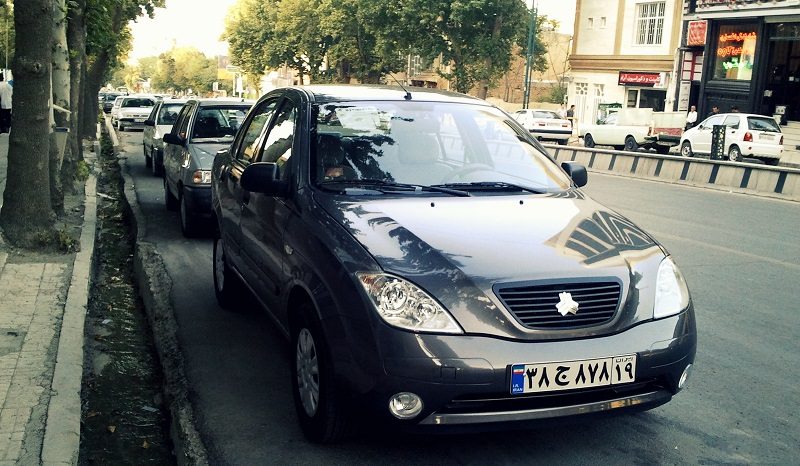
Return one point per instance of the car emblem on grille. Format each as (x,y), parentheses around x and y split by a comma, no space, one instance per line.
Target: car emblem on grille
(566,305)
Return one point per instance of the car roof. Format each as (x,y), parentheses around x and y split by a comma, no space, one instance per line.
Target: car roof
(353,92)
(214,101)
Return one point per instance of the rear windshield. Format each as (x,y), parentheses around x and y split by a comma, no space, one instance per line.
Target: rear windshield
(214,123)
(139,102)
(763,124)
(168,114)
(545,115)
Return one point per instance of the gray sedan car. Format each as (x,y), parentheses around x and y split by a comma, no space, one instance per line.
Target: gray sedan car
(203,127)
(434,268)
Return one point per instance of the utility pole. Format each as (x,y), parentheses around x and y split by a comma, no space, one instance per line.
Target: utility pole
(526,96)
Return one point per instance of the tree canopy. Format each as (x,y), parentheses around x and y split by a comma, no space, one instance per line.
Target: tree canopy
(366,39)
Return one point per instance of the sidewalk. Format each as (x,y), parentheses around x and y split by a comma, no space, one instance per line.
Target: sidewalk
(42,307)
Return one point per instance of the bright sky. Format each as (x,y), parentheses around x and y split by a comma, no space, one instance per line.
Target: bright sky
(200,23)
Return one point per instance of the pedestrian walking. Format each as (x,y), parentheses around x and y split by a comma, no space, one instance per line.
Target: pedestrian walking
(691,117)
(571,115)
(6,92)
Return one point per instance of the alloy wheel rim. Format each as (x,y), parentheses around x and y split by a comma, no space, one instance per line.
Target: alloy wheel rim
(686,150)
(219,265)
(734,155)
(307,372)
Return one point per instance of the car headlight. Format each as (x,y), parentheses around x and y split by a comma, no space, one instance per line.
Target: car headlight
(201,177)
(402,304)
(672,295)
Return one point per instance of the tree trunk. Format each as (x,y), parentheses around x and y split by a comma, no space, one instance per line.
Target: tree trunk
(26,216)
(60,84)
(76,38)
(94,81)
(483,84)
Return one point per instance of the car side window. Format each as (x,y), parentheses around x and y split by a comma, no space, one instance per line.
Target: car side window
(732,121)
(278,148)
(253,133)
(183,121)
(715,120)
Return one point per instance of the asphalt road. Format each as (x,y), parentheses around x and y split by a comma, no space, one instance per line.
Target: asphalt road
(741,258)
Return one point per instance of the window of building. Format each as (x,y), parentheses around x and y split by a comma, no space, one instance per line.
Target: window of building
(646,98)
(602,22)
(736,50)
(650,23)
(591,23)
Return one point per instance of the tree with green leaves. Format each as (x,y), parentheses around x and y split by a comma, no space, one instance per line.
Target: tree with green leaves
(182,69)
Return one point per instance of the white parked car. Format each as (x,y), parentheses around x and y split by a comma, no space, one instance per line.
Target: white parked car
(132,112)
(160,121)
(746,135)
(115,109)
(545,124)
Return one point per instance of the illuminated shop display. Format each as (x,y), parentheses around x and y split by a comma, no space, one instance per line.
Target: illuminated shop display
(736,49)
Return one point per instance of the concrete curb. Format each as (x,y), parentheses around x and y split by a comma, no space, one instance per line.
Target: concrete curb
(155,289)
(62,435)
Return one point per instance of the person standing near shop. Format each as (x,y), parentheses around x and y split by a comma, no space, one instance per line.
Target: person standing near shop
(6,91)
(691,117)
(714,111)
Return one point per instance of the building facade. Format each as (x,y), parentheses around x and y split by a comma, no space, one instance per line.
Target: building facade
(623,53)
(741,53)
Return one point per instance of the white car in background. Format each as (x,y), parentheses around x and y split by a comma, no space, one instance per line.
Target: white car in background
(545,124)
(132,112)
(115,109)
(746,135)
(160,121)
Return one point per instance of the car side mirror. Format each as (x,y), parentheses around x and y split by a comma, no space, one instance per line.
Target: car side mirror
(149,122)
(577,172)
(265,178)
(170,138)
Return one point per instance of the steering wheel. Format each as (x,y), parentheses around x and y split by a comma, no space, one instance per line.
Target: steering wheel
(460,172)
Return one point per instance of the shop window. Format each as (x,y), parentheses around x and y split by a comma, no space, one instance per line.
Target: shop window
(591,23)
(650,23)
(736,49)
(646,98)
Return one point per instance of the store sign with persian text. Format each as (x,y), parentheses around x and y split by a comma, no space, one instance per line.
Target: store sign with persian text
(717,5)
(640,78)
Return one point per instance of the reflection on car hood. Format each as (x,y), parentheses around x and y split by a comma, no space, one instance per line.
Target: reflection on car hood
(203,154)
(452,245)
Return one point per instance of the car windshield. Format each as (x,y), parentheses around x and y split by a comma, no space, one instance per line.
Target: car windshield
(213,124)
(461,146)
(168,114)
(763,124)
(130,103)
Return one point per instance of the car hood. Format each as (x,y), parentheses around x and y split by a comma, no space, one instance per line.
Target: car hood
(459,249)
(203,154)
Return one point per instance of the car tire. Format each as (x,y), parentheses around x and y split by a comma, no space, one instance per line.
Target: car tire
(588,141)
(686,149)
(170,202)
(227,285)
(562,142)
(321,409)
(120,127)
(630,144)
(189,222)
(734,154)
(148,160)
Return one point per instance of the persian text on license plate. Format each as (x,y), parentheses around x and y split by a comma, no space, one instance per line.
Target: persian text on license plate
(767,136)
(572,375)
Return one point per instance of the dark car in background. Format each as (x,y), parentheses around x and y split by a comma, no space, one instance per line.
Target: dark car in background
(108,101)
(203,127)
(160,121)
(434,268)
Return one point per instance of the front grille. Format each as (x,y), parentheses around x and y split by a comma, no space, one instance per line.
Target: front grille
(534,306)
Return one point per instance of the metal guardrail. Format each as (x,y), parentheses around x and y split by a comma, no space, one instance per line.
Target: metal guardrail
(764,180)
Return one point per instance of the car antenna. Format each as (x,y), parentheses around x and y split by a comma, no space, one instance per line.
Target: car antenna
(408,94)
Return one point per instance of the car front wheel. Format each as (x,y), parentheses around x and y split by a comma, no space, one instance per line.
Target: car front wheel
(189,222)
(170,202)
(686,149)
(318,402)
(148,160)
(734,154)
(588,141)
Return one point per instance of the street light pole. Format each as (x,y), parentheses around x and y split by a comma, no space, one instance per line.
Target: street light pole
(529,55)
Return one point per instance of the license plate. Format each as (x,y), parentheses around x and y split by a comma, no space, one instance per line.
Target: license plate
(768,136)
(572,375)
(139,120)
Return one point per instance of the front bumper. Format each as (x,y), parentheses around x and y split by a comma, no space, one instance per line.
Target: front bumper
(465,380)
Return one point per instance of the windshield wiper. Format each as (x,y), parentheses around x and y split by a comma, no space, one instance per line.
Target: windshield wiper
(489,186)
(384,185)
